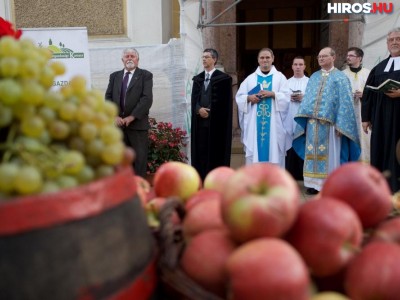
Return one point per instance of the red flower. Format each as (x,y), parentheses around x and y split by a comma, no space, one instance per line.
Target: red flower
(6,28)
(165,144)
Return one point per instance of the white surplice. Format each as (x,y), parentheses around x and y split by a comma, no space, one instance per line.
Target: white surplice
(333,161)
(357,81)
(295,84)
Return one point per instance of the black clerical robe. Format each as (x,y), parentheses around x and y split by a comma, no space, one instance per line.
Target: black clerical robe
(384,114)
(218,135)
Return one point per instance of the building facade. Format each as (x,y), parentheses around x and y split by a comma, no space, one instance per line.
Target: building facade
(237,29)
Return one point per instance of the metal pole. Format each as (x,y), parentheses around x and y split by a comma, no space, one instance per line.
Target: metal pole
(282,22)
(224,11)
(200,23)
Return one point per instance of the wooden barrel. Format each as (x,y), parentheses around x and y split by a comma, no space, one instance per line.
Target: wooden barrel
(85,243)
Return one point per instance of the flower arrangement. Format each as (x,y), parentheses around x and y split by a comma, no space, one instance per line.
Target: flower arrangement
(7,29)
(165,144)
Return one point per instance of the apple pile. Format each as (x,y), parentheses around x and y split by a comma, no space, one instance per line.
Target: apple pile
(247,234)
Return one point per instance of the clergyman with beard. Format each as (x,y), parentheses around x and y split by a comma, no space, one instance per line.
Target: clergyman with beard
(358,75)
(131,89)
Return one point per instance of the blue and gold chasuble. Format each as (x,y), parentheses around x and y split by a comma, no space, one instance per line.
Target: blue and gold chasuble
(264,119)
(327,102)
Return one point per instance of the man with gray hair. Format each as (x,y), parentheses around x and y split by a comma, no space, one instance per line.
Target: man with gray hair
(326,135)
(131,89)
(380,113)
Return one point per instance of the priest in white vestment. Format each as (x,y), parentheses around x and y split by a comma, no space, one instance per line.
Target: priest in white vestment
(263,101)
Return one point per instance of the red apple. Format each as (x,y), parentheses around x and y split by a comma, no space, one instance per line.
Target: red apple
(374,273)
(204,259)
(267,268)
(176,179)
(364,188)
(327,234)
(200,196)
(217,178)
(260,200)
(387,231)
(204,215)
(150,195)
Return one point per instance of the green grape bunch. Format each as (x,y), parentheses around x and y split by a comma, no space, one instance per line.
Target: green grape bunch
(51,140)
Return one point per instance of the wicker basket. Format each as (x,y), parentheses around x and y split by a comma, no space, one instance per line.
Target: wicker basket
(171,244)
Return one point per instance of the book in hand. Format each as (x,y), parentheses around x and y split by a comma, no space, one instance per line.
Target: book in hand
(255,89)
(387,85)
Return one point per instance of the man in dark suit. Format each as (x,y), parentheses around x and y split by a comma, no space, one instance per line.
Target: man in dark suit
(132,90)
(211,131)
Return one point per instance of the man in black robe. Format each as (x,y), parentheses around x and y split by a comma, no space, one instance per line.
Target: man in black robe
(211,130)
(380,112)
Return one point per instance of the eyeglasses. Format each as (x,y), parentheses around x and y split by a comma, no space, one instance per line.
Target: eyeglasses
(391,40)
(351,55)
(206,56)
(323,56)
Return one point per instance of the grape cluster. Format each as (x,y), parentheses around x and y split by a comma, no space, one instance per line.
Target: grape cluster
(50,140)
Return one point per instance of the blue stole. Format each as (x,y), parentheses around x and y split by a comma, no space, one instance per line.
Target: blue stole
(264,120)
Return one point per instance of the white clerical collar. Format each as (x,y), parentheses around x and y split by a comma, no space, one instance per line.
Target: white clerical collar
(326,72)
(396,61)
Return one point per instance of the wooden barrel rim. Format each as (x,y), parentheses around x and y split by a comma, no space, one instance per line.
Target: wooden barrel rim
(39,211)
(142,287)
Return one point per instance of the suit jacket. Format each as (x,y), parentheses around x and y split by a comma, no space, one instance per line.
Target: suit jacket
(138,99)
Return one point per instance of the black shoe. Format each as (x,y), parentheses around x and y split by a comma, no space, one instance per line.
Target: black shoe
(311,191)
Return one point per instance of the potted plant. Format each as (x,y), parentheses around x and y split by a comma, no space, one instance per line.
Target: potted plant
(166,143)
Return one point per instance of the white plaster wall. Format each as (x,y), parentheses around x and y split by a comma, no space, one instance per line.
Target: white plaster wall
(148,27)
(148,23)
(145,21)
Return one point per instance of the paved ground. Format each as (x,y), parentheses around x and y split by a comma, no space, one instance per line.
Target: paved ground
(304,196)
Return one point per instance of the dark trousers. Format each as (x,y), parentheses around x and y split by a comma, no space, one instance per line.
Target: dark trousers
(294,164)
(138,140)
